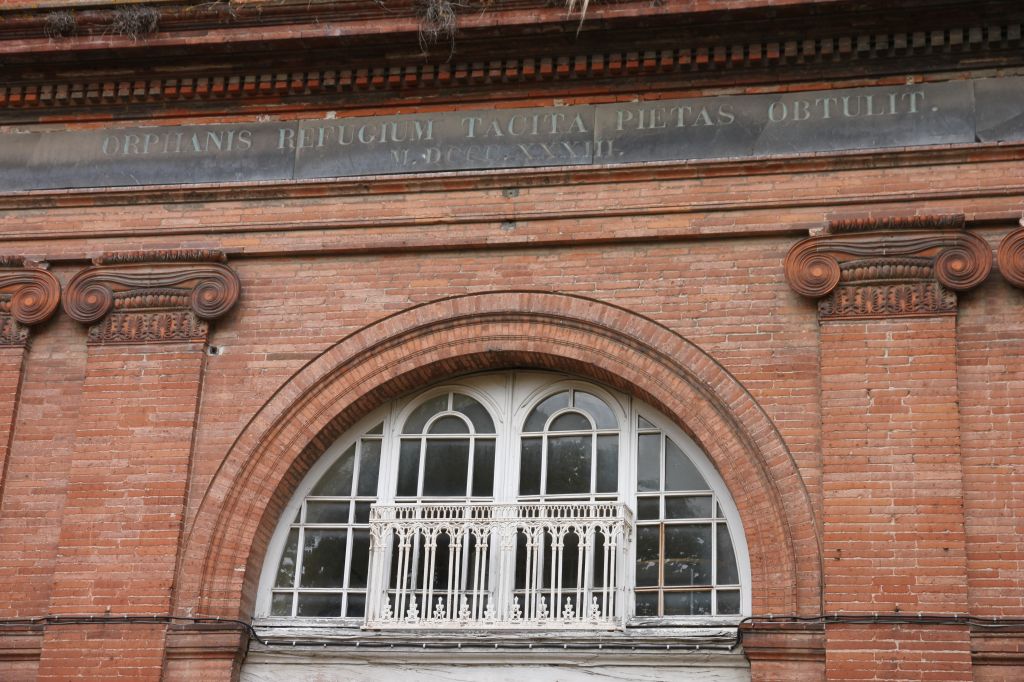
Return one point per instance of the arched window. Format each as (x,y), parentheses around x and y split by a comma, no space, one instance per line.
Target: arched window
(509,500)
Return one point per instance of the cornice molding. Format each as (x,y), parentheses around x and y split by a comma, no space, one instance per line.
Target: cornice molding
(1011,257)
(152,296)
(186,86)
(29,295)
(888,267)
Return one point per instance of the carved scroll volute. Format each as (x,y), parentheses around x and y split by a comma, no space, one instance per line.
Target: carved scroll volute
(860,272)
(1011,257)
(152,295)
(29,295)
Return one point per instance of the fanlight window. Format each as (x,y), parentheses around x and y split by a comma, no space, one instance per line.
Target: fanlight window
(511,500)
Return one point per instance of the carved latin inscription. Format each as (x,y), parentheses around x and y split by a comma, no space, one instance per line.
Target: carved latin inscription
(889,267)
(152,296)
(28,295)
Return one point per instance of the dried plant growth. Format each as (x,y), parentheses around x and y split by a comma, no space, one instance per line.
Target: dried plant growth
(135,21)
(60,24)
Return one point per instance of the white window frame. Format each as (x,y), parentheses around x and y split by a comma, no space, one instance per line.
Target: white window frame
(515,393)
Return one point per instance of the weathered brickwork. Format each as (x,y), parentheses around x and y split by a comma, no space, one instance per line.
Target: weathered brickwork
(841,333)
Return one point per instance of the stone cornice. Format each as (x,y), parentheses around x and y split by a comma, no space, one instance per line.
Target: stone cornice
(888,267)
(29,295)
(1011,257)
(152,296)
(234,85)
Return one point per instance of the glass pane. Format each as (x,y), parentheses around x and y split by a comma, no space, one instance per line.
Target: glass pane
(648,462)
(369,467)
(327,512)
(337,481)
(446,469)
(688,555)
(356,605)
(607,464)
(281,604)
(648,509)
(286,569)
(449,424)
(568,469)
(689,507)
(547,407)
(323,558)
(647,603)
(529,467)
(570,421)
(408,468)
(647,556)
(318,605)
(360,557)
(477,413)
(377,430)
(680,474)
(728,602)
(644,424)
(597,408)
(688,603)
(718,511)
(483,469)
(362,514)
(728,574)
(422,414)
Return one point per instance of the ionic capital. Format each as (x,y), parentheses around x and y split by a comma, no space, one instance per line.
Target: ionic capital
(890,267)
(152,296)
(29,295)
(1011,257)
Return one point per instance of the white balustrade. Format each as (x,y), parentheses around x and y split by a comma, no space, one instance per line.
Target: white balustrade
(554,565)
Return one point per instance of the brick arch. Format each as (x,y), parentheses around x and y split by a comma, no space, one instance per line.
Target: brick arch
(490,331)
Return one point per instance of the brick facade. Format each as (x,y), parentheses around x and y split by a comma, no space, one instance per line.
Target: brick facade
(869,430)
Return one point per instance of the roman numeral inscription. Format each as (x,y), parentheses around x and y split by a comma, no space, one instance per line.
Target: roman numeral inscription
(725,127)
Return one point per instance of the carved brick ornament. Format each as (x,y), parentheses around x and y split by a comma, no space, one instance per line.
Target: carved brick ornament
(1011,257)
(892,267)
(152,296)
(28,295)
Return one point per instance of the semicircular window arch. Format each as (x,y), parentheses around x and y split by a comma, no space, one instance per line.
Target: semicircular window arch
(657,535)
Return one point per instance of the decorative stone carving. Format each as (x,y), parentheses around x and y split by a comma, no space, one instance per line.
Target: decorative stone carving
(152,296)
(1011,257)
(28,295)
(889,267)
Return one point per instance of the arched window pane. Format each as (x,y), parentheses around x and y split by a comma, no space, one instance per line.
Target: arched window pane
(607,464)
(726,557)
(337,481)
(477,413)
(688,555)
(369,467)
(570,421)
(408,469)
(539,417)
(529,467)
(449,424)
(286,569)
(568,470)
(422,414)
(446,468)
(680,474)
(323,558)
(648,467)
(483,469)
(596,408)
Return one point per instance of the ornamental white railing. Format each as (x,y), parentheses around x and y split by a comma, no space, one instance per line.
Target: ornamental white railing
(553,565)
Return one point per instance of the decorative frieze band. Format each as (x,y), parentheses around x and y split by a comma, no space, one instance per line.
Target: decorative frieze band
(29,295)
(1011,257)
(889,267)
(152,296)
(181,88)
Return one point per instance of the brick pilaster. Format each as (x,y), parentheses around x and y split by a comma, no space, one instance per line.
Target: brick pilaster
(894,539)
(128,477)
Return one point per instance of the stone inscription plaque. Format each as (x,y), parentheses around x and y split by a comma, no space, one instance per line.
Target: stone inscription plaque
(737,126)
